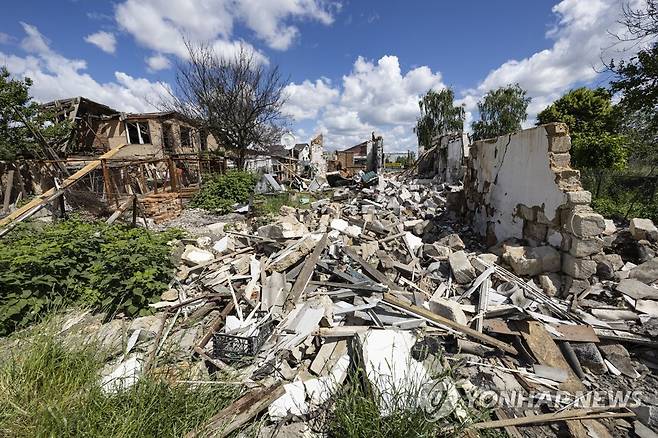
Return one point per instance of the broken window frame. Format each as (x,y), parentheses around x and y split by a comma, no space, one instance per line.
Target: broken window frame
(189,143)
(141,129)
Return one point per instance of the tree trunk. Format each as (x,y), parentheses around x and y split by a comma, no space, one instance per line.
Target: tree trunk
(241,162)
(599,182)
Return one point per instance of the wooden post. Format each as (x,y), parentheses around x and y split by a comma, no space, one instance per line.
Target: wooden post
(173,177)
(62,206)
(106,181)
(10,183)
(134,211)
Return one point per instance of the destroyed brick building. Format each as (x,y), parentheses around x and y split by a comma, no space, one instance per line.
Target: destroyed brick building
(366,156)
(98,128)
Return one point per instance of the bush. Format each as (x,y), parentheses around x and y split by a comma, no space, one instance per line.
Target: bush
(111,268)
(622,194)
(50,388)
(221,192)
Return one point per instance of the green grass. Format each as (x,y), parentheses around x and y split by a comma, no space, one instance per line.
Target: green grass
(269,205)
(355,411)
(48,389)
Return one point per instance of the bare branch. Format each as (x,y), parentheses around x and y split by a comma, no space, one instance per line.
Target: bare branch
(237,99)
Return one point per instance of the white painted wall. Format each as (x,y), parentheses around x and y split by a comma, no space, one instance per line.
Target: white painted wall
(514,170)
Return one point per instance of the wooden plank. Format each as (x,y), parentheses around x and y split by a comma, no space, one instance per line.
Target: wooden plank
(35,204)
(548,353)
(10,185)
(571,414)
(486,339)
(217,323)
(512,431)
(119,211)
(571,333)
(307,271)
(370,270)
(358,286)
(237,414)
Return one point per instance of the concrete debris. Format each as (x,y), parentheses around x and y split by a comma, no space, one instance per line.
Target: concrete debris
(643,229)
(195,256)
(288,227)
(511,278)
(462,268)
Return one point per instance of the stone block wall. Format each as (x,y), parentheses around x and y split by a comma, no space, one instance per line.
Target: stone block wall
(522,186)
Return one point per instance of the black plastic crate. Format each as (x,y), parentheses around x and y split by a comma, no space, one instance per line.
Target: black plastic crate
(232,348)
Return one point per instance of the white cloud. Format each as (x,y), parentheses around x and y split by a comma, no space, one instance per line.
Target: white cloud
(583,35)
(158,62)
(268,19)
(305,100)
(57,77)
(163,25)
(105,41)
(374,96)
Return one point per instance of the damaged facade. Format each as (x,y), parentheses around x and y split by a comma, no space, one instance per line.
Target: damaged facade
(521,186)
(98,128)
(367,156)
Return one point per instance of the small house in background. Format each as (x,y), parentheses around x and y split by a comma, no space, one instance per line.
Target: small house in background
(367,156)
(98,128)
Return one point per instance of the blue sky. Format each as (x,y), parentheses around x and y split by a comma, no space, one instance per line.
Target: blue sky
(354,66)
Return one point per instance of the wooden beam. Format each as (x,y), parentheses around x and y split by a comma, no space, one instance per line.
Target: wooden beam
(571,414)
(37,203)
(10,185)
(370,270)
(485,339)
(307,271)
(122,208)
(546,351)
(237,414)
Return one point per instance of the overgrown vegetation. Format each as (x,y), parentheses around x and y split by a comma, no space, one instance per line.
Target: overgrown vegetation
(356,412)
(221,192)
(110,268)
(23,126)
(438,116)
(49,389)
(502,111)
(269,205)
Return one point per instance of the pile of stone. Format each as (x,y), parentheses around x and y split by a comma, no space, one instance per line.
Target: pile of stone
(386,280)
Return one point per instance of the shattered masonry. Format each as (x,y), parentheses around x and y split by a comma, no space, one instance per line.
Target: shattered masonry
(522,186)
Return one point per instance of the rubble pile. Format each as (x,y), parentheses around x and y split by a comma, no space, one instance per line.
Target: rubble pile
(384,279)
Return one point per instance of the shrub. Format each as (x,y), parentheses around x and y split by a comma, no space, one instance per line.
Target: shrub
(51,388)
(111,268)
(220,192)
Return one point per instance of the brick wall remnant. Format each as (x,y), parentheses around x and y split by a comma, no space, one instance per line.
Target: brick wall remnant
(522,186)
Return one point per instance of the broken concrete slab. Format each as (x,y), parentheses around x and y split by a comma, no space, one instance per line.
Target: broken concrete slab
(448,309)
(647,272)
(586,224)
(636,289)
(551,284)
(461,267)
(643,229)
(585,247)
(525,260)
(195,256)
(452,241)
(578,268)
(288,227)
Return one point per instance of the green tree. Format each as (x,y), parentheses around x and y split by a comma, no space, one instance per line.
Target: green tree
(23,127)
(594,127)
(637,82)
(501,112)
(593,123)
(438,115)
